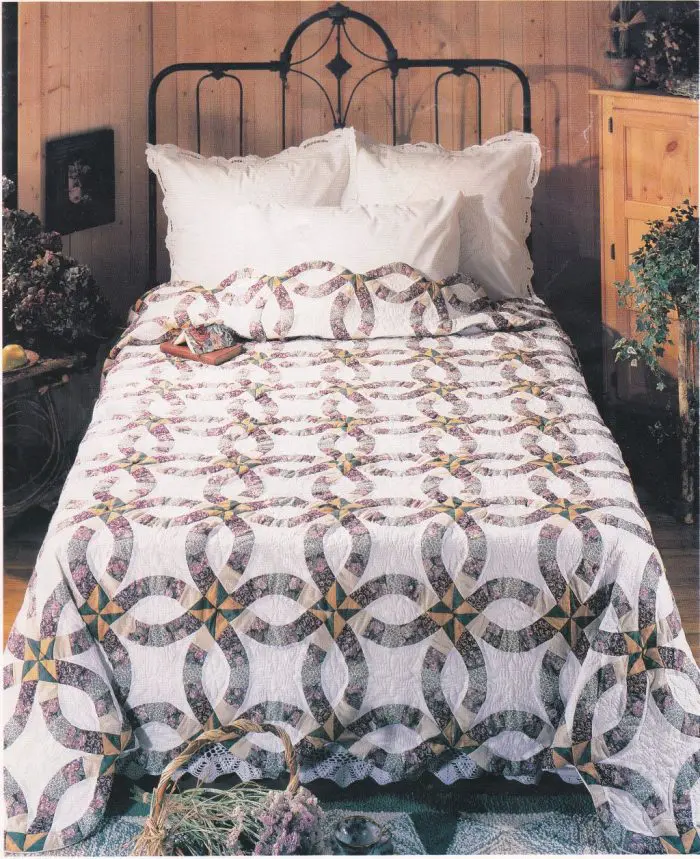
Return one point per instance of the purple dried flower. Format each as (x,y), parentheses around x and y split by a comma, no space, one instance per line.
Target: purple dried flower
(233,837)
(291,824)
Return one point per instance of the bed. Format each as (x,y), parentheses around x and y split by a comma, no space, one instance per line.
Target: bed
(410,540)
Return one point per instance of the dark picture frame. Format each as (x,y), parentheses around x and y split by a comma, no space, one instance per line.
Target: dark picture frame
(80,181)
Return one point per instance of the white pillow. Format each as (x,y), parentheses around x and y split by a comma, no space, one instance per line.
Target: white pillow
(315,173)
(273,238)
(503,172)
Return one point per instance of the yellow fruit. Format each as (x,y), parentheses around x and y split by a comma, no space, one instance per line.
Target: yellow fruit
(13,356)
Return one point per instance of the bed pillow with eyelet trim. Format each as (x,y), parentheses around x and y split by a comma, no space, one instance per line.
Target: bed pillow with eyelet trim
(315,173)
(503,172)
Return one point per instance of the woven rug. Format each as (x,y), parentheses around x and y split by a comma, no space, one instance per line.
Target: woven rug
(421,819)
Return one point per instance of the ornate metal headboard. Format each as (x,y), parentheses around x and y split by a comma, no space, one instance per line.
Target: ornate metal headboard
(338,103)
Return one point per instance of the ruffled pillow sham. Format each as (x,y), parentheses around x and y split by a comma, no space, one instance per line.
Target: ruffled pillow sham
(502,173)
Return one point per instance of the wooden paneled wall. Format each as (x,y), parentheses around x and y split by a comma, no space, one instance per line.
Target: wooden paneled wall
(84,66)
(88,65)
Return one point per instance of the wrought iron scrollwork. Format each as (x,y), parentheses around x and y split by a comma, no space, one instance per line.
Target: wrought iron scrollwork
(338,65)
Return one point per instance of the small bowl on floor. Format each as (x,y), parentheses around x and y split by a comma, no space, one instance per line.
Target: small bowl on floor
(357,835)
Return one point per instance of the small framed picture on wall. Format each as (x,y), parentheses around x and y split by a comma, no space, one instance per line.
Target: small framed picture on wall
(80,181)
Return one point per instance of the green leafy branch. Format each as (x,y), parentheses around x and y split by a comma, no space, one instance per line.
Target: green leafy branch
(665,270)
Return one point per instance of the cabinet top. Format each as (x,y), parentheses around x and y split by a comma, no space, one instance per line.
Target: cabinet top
(651,97)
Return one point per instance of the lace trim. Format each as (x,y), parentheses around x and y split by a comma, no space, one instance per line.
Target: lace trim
(342,767)
(154,150)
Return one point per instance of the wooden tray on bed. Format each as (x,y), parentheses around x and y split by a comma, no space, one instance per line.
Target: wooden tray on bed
(218,356)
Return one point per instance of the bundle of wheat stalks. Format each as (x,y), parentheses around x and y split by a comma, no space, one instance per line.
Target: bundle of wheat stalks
(246,820)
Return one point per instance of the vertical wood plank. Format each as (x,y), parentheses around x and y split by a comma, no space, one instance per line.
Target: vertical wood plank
(140,46)
(489,47)
(599,30)
(164,53)
(30,112)
(54,74)
(578,130)
(119,116)
(88,71)
(533,13)
(556,140)
(458,102)
(512,50)
(416,26)
(370,112)
(191,24)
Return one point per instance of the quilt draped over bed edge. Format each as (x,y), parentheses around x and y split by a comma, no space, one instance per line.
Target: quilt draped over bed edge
(418,550)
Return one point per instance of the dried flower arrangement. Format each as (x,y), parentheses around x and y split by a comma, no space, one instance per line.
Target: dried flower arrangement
(665,270)
(246,820)
(669,55)
(50,302)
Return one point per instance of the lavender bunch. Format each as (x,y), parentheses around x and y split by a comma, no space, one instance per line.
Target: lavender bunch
(236,834)
(290,825)
(245,820)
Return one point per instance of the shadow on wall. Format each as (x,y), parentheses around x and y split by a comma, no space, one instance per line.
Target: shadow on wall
(567,261)
(646,429)
(566,214)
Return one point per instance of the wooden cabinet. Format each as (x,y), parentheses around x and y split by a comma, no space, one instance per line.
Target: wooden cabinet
(648,163)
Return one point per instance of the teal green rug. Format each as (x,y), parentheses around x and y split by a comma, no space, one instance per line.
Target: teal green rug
(422,819)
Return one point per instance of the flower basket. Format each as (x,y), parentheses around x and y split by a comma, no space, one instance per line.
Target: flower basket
(246,819)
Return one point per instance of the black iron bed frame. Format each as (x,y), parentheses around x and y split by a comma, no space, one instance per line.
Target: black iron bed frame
(338,15)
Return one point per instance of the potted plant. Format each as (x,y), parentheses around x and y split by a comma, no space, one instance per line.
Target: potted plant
(624,18)
(669,53)
(50,302)
(665,271)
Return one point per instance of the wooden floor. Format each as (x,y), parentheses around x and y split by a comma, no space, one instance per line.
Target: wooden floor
(678,545)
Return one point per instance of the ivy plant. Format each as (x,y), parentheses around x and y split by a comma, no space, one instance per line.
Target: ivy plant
(665,270)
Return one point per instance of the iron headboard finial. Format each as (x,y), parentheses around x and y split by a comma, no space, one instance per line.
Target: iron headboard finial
(339,105)
(339,65)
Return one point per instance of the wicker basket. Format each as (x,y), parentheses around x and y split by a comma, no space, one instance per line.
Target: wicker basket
(151,842)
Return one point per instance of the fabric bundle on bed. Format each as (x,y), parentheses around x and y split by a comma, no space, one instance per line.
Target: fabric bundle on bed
(414,552)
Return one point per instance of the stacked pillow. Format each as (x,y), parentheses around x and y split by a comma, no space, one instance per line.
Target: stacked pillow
(497,178)
(360,204)
(273,238)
